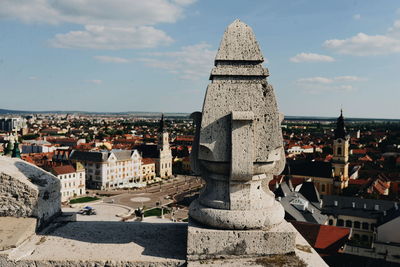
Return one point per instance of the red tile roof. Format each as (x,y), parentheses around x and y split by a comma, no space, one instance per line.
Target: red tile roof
(63,169)
(323,237)
(359,151)
(147,161)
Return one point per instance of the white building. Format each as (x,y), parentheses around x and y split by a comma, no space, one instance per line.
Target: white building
(295,150)
(110,169)
(72,180)
(37,148)
(386,245)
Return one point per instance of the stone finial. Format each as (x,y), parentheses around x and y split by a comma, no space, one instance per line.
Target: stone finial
(238,144)
(239,43)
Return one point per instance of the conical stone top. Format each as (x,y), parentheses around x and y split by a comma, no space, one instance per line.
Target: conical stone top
(239,44)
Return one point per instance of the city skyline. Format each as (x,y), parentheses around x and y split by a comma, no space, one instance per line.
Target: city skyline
(157,55)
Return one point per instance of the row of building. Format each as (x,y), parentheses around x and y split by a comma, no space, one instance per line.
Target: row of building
(79,170)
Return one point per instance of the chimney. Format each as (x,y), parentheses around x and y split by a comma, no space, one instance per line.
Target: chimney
(321,203)
(312,210)
(335,203)
(279,198)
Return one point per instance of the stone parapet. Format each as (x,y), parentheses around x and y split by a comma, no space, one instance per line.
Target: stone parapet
(206,243)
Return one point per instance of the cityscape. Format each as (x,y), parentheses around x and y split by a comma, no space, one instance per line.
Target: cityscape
(151,177)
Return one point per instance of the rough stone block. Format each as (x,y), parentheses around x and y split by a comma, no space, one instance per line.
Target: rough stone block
(206,243)
(28,191)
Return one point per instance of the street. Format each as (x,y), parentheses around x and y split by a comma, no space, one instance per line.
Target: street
(161,194)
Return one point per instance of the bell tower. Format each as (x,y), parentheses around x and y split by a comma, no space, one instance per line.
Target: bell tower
(340,161)
(164,162)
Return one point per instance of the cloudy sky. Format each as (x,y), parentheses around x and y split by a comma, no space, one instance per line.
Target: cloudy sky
(156,55)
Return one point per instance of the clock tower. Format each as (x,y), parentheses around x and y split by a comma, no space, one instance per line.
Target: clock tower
(340,162)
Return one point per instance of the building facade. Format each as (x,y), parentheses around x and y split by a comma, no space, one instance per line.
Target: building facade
(72,179)
(12,124)
(148,170)
(110,169)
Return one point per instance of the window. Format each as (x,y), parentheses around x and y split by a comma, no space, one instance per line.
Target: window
(339,151)
(365,226)
(330,222)
(340,222)
(349,223)
(322,188)
(357,224)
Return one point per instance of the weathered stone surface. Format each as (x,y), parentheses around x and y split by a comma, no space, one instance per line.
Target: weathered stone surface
(237,219)
(238,145)
(94,243)
(120,244)
(239,43)
(14,231)
(207,243)
(28,191)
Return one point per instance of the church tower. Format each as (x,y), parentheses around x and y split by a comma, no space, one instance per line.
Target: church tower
(164,162)
(340,161)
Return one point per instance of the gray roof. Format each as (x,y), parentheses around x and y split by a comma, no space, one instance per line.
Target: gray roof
(122,154)
(92,156)
(311,212)
(100,156)
(364,208)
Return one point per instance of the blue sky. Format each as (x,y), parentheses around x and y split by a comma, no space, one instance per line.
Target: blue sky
(156,55)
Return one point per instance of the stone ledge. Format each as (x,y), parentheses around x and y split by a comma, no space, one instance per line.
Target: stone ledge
(206,243)
(14,231)
(130,244)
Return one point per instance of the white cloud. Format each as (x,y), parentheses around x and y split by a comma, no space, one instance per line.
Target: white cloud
(99,37)
(98,82)
(191,62)
(349,78)
(311,57)
(323,84)
(115,24)
(184,2)
(325,80)
(357,16)
(111,59)
(364,45)
(94,12)
(318,89)
(33,78)
(315,80)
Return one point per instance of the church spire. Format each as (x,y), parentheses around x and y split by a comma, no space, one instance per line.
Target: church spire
(161,127)
(340,131)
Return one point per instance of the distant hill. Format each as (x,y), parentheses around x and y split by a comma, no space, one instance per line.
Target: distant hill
(132,113)
(148,114)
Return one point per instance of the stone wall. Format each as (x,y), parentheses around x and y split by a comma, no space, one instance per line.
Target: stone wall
(28,191)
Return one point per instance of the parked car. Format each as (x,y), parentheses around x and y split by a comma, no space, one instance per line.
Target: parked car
(87,211)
